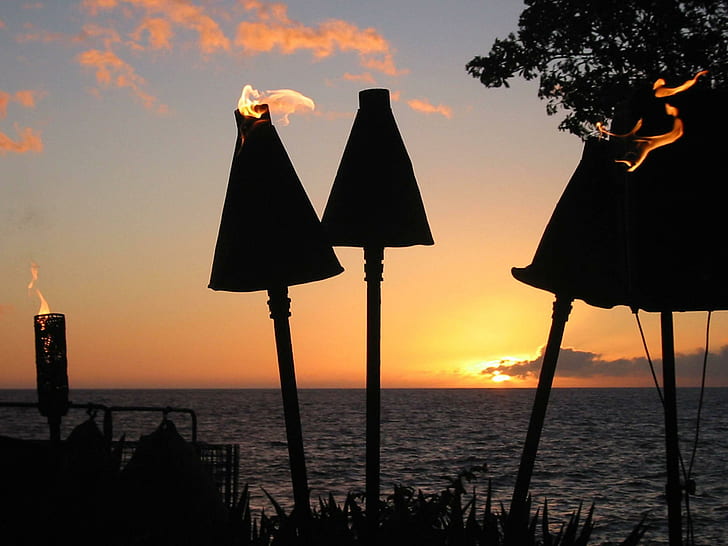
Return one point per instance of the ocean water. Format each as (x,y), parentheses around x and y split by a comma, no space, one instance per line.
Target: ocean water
(598,445)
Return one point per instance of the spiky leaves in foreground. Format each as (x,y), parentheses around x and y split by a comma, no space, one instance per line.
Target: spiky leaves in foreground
(453,517)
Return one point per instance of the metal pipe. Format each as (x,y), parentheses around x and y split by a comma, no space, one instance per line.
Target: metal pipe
(672,442)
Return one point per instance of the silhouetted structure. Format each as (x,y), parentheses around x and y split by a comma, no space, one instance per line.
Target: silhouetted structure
(269,239)
(87,490)
(51,368)
(375,203)
(643,237)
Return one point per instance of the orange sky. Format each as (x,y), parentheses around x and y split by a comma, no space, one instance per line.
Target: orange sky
(116,135)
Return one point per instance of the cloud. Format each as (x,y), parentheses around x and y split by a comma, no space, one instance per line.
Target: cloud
(27,97)
(24,97)
(2,24)
(159,30)
(116,33)
(273,31)
(111,71)
(33,34)
(575,364)
(160,15)
(29,141)
(423,105)
(365,77)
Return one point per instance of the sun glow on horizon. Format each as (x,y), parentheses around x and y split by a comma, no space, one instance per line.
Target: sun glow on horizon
(494,371)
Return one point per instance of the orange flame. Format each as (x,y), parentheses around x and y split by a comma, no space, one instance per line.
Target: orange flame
(644,145)
(283,102)
(662,91)
(44,307)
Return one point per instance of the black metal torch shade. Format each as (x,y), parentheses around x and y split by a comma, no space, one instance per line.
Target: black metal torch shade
(652,238)
(51,364)
(581,253)
(375,201)
(269,232)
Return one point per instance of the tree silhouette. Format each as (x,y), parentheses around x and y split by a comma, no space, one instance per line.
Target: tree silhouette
(590,55)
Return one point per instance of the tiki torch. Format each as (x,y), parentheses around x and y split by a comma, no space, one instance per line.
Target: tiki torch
(580,255)
(375,203)
(269,239)
(50,362)
(636,226)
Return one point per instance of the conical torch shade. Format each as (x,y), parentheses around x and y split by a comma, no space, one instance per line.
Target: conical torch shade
(375,200)
(269,233)
(651,238)
(676,219)
(582,254)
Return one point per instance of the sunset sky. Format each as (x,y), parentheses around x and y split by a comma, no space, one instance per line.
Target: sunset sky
(116,137)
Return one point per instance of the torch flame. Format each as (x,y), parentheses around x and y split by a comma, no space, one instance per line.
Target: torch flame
(283,102)
(644,145)
(44,307)
(248,104)
(662,91)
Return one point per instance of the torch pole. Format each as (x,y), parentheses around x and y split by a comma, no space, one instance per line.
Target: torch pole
(280,305)
(373,270)
(518,513)
(672,443)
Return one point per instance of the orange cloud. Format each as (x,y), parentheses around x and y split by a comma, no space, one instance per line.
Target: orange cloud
(111,71)
(24,97)
(159,30)
(107,36)
(178,12)
(94,6)
(423,105)
(2,24)
(365,77)
(28,141)
(275,31)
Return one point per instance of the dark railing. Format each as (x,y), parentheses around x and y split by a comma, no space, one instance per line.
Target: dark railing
(221,460)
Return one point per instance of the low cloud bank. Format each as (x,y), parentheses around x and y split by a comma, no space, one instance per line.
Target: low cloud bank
(576,364)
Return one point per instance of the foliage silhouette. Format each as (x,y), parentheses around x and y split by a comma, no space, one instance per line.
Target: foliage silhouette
(407,517)
(590,55)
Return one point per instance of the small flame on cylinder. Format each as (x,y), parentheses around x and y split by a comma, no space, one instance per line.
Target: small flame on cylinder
(44,307)
(643,145)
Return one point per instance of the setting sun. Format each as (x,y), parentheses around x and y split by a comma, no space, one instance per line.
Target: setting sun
(495,371)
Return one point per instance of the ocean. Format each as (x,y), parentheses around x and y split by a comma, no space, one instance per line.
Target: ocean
(599,445)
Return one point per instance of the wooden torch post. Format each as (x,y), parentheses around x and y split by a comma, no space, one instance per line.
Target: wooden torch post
(280,304)
(518,512)
(373,268)
(672,446)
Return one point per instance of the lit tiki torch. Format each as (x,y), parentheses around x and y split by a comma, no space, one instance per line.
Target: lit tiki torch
(269,239)
(636,226)
(375,203)
(50,361)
